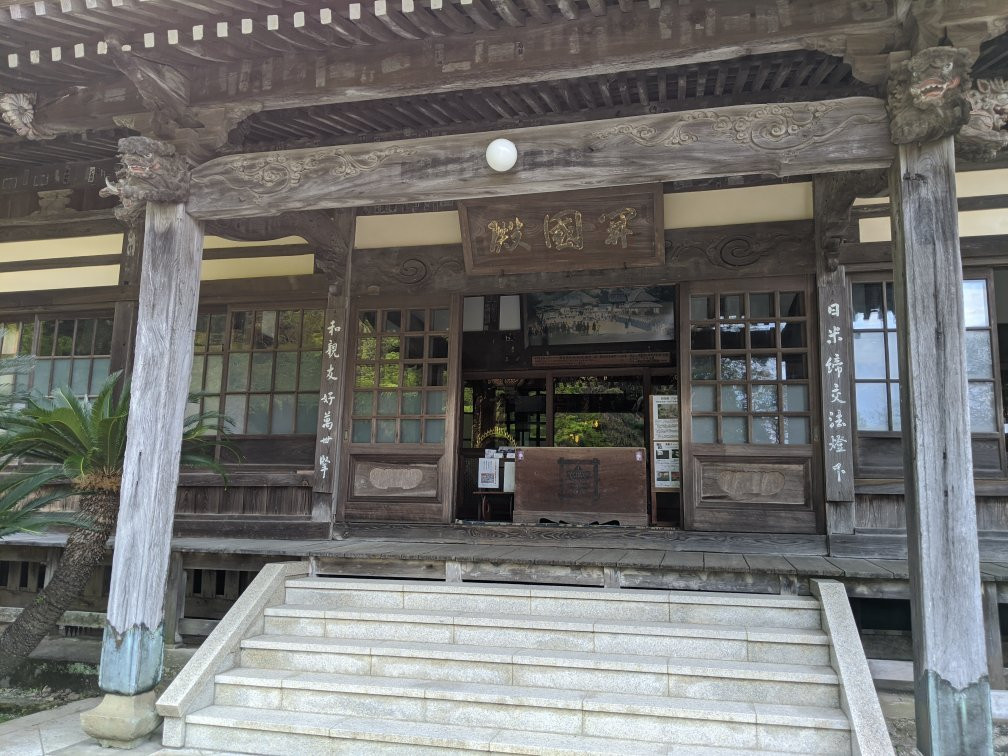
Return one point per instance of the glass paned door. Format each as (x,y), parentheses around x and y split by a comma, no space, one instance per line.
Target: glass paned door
(749,405)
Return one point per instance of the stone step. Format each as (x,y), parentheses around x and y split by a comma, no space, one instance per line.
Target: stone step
(622,716)
(707,679)
(254,731)
(765,644)
(744,609)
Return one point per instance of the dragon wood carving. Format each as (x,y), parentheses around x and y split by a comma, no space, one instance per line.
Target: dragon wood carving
(926,95)
(149,171)
(985,134)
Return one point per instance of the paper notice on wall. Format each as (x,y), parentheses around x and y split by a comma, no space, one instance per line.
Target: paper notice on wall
(665,417)
(666,464)
(509,476)
(489,473)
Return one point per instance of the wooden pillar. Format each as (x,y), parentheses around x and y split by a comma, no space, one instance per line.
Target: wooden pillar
(334,262)
(950,666)
(124,317)
(992,624)
(174,608)
(833,195)
(132,646)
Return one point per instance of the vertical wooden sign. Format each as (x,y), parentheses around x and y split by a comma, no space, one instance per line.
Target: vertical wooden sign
(334,261)
(838,446)
(330,390)
(832,196)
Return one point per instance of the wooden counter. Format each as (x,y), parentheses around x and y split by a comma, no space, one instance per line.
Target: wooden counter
(576,485)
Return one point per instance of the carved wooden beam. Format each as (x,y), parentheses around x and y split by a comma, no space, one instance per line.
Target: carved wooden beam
(781,140)
(692,254)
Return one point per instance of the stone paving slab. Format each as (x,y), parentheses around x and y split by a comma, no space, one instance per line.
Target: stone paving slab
(58,731)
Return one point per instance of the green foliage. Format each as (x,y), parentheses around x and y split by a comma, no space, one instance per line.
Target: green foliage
(22,498)
(83,442)
(602,429)
(86,439)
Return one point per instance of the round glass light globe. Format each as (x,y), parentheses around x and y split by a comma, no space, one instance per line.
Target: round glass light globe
(501,155)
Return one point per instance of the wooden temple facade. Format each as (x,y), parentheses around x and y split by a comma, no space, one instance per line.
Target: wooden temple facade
(704,297)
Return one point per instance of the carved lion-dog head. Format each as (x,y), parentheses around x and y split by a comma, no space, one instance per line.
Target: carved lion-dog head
(927,95)
(149,171)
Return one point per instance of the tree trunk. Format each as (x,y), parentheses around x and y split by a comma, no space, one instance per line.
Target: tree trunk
(84,551)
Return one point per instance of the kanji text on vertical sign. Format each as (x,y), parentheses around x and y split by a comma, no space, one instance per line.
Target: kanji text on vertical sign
(328,404)
(837,431)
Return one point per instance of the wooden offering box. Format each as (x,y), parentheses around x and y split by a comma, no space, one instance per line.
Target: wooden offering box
(575,485)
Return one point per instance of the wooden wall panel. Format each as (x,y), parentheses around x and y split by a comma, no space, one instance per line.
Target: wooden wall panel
(394,511)
(275,501)
(375,477)
(743,494)
(741,481)
(883,511)
(888,512)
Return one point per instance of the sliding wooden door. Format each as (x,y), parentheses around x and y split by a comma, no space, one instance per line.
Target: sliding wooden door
(751,451)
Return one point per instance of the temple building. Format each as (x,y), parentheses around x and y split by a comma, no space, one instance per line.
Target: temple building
(695,295)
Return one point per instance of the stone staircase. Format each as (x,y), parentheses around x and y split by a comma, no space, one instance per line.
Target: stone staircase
(365,666)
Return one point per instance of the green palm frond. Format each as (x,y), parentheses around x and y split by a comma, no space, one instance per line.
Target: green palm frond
(85,443)
(21,504)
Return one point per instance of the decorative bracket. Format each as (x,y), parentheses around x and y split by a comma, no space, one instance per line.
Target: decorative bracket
(926,95)
(329,231)
(163,89)
(149,171)
(18,111)
(835,195)
(986,132)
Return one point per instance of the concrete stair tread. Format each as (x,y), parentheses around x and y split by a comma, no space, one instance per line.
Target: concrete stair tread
(662,706)
(491,619)
(466,737)
(574,592)
(547,657)
(411,733)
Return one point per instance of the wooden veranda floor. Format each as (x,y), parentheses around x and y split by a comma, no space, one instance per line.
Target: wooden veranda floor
(611,556)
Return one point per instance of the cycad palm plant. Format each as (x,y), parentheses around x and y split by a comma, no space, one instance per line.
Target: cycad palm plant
(83,442)
(23,498)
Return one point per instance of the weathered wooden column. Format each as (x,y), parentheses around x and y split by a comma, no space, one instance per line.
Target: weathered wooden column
(124,317)
(133,643)
(950,668)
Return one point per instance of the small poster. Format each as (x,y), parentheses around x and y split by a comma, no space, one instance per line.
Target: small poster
(665,417)
(666,464)
(489,473)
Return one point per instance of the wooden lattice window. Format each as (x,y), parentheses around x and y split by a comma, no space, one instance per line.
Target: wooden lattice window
(400,376)
(261,367)
(749,368)
(67,351)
